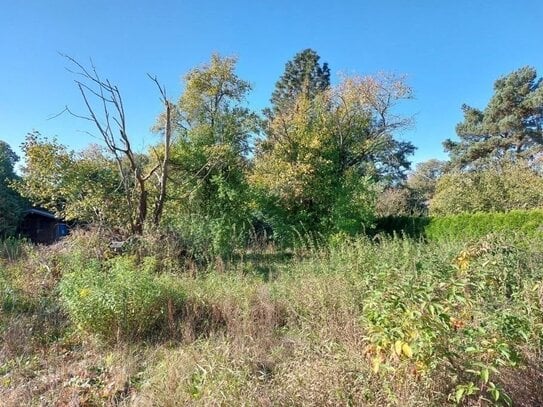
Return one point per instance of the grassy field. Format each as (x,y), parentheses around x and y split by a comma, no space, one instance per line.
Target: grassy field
(386,321)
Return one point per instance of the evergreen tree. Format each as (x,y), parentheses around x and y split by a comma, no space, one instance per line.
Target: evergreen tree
(303,76)
(510,127)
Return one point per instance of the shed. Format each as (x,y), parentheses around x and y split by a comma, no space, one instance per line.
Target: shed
(41,226)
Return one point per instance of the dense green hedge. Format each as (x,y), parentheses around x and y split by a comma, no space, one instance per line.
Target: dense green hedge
(467,225)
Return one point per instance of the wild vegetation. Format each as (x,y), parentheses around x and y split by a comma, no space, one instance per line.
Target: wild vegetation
(287,258)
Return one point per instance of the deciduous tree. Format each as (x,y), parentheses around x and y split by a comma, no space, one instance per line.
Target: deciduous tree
(499,187)
(81,186)
(105,108)
(11,203)
(210,198)
(422,182)
(320,157)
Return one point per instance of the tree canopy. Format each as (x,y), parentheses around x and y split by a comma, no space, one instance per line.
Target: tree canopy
(80,186)
(303,75)
(500,187)
(322,154)
(510,126)
(210,196)
(11,203)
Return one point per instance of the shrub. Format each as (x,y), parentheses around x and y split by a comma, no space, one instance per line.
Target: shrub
(464,226)
(499,188)
(470,226)
(11,248)
(119,299)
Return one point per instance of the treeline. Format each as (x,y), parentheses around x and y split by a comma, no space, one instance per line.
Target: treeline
(495,166)
(322,158)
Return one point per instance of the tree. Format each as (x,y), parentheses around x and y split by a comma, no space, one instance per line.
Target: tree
(100,95)
(321,156)
(422,182)
(11,203)
(382,157)
(500,187)
(210,198)
(394,201)
(75,186)
(303,76)
(511,126)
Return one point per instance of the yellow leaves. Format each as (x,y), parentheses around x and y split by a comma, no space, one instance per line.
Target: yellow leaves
(406,350)
(376,363)
(377,354)
(84,292)
(398,347)
(401,347)
(421,368)
(462,261)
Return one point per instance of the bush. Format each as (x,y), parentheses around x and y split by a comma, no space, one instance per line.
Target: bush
(469,226)
(464,226)
(399,322)
(119,299)
(11,248)
(500,188)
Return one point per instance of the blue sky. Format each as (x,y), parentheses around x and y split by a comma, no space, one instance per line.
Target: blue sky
(451,52)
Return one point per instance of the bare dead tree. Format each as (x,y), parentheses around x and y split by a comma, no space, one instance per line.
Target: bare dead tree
(100,95)
(162,174)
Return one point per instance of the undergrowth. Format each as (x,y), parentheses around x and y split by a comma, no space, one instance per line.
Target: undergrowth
(386,321)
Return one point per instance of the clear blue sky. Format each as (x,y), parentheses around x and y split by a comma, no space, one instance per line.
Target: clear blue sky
(451,52)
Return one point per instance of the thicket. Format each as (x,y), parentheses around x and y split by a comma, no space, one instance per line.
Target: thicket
(502,186)
(121,298)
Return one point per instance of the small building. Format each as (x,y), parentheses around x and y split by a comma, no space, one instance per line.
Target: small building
(41,226)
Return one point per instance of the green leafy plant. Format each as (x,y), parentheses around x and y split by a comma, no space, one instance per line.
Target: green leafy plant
(118,299)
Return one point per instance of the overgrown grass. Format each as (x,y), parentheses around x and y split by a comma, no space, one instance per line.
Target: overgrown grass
(359,322)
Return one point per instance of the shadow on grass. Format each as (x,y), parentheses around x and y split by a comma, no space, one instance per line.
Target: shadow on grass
(264,265)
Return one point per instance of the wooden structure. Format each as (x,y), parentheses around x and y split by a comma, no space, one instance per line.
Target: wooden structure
(43,227)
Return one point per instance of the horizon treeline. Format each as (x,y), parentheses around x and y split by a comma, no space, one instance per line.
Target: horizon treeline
(321,158)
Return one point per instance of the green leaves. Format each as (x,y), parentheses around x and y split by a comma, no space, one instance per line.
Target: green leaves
(501,187)
(510,125)
(209,196)
(11,203)
(303,76)
(324,152)
(82,186)
(119,299)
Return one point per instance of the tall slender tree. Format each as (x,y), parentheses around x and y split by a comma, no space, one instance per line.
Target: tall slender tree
(212,127)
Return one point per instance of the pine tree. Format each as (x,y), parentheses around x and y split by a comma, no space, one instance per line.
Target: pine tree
(510,127)
(303,75)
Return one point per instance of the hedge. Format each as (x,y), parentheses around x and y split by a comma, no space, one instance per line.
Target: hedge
(464,226)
